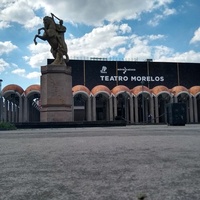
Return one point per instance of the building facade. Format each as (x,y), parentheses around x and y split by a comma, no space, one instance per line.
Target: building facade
(108,90)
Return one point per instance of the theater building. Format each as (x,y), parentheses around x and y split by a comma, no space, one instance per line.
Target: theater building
(108,90)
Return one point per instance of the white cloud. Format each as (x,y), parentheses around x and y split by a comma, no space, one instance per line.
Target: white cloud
(190,56)
(39,54)
(4,24)
(139,52)
(38,60)
(89,12)
(196,37)
(33,75)
(155,21)
(112,10)
(156,37)
(33,23)
(19,11)
(122,50)
(3,65)
(40,47)
(141,49)
(101,42)
(14,65)
(158,17)
(22,73)
(169,11)
(6,47)
(138,48)
(159,52)
(125,28)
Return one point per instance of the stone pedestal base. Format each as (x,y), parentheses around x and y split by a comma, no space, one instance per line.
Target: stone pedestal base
(56,93)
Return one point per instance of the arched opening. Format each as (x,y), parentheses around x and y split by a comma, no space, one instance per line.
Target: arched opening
(33,107)
(144,107)
(102,106)
(80,107)
(163,100)
(184,98)
(82,103)
(123,106)
(101,103)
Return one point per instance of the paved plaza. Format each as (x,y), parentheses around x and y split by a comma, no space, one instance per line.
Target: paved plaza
(111,163)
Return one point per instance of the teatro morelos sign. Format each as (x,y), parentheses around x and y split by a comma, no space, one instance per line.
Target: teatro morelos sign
(127,77)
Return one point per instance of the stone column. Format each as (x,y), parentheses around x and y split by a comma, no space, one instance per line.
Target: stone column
(191,109)
(126,109)
(21,107)
(156,110)
(195,110)
(6,110)
(26,111)
(115,106)
(146,103)
(56,93)
(111,108)
(171,99)
(14,112)
(89,113)
(152,109)
(107,109)
(131,110)
(136,110)
(94,118)
(17,114)
(175,99)
(10,111)
(188,111)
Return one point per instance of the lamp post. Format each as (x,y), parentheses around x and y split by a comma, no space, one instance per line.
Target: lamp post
(148,71)
(142,83)
(0,86)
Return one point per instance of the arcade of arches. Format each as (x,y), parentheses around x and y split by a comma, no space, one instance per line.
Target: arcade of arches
(137,105)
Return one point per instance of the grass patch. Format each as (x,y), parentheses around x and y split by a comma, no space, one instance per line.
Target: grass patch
(7,126)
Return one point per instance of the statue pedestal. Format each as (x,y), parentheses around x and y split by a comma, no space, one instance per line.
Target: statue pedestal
(56,93)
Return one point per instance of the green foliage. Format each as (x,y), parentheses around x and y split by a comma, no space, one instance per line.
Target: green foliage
(7,126)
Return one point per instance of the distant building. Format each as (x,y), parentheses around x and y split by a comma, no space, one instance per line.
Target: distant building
(107,90)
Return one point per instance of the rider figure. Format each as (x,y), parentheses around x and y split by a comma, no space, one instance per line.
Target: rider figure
(60,30)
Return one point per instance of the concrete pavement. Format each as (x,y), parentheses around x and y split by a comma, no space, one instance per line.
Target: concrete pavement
(108,163)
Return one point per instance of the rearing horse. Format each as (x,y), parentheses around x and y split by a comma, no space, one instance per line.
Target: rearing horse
(53,33)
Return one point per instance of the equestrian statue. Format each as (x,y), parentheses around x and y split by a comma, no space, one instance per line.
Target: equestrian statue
(54,35)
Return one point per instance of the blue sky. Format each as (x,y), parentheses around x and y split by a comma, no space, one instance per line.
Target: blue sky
(163,30)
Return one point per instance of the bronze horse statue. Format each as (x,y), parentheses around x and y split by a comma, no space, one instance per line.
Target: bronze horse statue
(54,34)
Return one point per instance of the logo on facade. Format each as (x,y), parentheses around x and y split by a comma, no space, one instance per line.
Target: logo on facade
(125,70)
(103,70)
